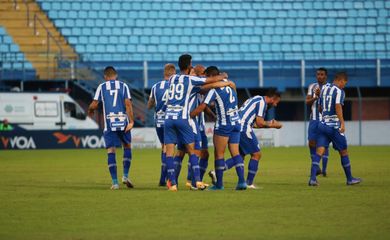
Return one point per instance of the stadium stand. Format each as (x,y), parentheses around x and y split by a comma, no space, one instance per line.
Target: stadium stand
(13,64)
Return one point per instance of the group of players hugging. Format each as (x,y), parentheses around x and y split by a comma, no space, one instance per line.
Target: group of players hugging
(181,102)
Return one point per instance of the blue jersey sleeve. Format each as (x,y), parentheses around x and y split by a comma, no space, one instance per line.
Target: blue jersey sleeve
(153,92)
(98,93)
(262,108)
(210,97)
(126,91)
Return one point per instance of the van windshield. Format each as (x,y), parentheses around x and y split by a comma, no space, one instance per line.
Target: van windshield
(74,111)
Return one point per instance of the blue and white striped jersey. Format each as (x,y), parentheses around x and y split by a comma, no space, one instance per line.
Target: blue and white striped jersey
(226,106)
(113,94)
(315,114)
(329,97)
(159,93)
(181,87)
(195,100)
(252,108)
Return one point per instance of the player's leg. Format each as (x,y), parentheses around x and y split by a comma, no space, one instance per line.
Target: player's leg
(197,148)
(127,156)
(234,140)
(312,140)
(220,143)
(250,145)
(170,139)
(111,139)
(325,158)
(204,155)
(322,143)
(340,144)
(253,167)
(163,173)
(177,161)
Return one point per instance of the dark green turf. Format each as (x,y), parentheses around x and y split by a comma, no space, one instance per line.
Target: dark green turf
(64,194)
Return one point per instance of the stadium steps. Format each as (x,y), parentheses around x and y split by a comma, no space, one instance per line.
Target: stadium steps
(34,45)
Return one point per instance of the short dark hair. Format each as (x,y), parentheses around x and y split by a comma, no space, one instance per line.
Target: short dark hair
(341,75)
(322,69)
(211,71)
(184,61)
(110,71)
(273,92)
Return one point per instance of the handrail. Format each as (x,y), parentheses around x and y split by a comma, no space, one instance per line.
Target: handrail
(49,35)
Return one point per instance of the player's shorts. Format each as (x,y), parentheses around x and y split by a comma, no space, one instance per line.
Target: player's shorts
(197,137)
(204,139)
(313,130)
(160,134)
(328,134)
(116,138)
(178,131)
(233,132)
(248,143)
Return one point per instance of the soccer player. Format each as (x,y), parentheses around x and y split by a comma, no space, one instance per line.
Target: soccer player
(252,114)
(315,116)
(177,126)
(157,99)
(226,131)
(332,128)
(118,121)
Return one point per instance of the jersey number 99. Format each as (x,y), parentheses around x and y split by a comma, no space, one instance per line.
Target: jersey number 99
(176,91)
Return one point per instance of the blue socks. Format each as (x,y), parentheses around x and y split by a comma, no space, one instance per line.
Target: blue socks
(163,174)
(112,167)
(195,167)
(229,163)
(203,164)
(347,167)
(239,168)
(252,170)
(312,153)
(177,165)
(219,168)
(126,161)
(315,165)
(325,160)
(171,170)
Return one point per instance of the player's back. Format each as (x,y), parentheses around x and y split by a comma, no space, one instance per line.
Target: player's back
(252,107)
(113,94)
(329,97)
(181,87)
(226,106)
(160,94)
(315,113)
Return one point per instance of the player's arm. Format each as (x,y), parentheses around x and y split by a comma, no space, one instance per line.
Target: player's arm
(217,78)
(198,110)
(151,103)
(130,115)
(261,123)
(220,84)
(310,98)
(339,113)
(92,107)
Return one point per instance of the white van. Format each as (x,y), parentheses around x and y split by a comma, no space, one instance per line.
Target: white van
(44,111)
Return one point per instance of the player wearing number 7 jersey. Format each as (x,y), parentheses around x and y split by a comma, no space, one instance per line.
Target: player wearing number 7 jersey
(118,121)
(332,128)
(177,118)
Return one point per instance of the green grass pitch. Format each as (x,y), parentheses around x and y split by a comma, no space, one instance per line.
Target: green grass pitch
(64,194)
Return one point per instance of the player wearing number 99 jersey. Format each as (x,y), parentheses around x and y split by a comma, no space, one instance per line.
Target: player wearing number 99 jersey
(118,121)
(157,99)
(332,128)
(177,117)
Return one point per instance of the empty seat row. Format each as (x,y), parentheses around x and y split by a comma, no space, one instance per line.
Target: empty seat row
(211,5)
(10,55)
